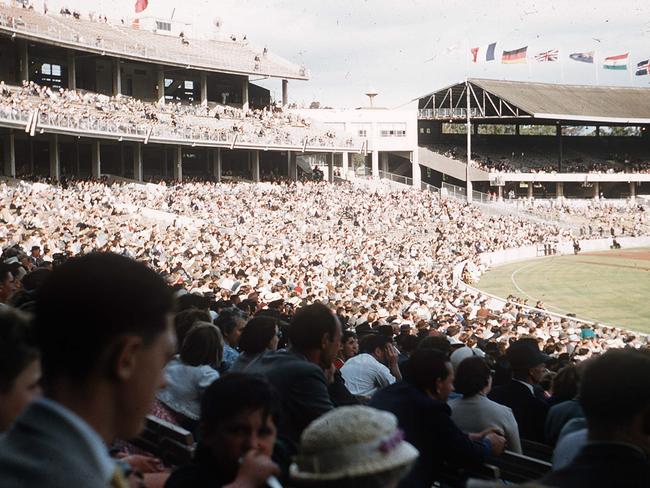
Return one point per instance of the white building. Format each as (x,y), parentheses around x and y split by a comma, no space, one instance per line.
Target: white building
(391,137)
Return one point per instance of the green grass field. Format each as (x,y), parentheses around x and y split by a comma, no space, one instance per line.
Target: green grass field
(610,287)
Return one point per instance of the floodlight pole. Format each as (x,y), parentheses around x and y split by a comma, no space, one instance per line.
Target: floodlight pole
(468,187)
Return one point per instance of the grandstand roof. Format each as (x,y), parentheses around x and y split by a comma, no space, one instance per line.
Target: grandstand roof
(517,99)
(225,56)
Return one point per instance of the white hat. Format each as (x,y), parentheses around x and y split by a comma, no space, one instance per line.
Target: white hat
(351,442)
(462,353)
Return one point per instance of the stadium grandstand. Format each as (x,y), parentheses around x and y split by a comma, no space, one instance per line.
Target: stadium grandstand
(84,97)
(186,302)
(538,139)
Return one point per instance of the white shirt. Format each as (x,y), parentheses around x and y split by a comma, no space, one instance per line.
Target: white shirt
(364,375)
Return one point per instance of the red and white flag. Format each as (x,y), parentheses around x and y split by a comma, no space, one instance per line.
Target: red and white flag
(140,5)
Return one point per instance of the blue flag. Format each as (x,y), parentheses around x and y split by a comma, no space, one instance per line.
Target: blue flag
(489,55)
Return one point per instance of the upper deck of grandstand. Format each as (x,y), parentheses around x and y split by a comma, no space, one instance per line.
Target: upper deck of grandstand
(224,56)
(517,100)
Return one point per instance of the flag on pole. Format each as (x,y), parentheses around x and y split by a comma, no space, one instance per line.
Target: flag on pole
(547,56)
(486,53)
(140,5)
(618,62)
(643,68)
(587,57)
(518,56)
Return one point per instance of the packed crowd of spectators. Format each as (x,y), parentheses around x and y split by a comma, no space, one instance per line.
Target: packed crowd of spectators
(595,219)
(522,162)
(306,332)
(126,115)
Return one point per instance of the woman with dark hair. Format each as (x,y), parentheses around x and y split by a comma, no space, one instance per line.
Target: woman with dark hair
(261,334)
(231,322)
(239,413)
(475,412)
(190,373)
(20,366)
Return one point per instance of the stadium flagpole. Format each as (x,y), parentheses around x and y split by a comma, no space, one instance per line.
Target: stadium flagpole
(468,185)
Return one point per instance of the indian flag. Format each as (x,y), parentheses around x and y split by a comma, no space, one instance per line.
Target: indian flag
(616,62)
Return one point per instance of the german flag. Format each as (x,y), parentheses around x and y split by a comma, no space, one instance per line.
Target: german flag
(518,56)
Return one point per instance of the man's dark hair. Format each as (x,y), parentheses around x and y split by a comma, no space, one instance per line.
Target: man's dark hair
(17,348)
(203,345)
(373,341)
(347,334)
(437,342)
(90,301)
(472,375)
(228,320)
(235,393)
(185,319)
(566,383)
(257,334)
(425,367)
(615,387)
(310,324)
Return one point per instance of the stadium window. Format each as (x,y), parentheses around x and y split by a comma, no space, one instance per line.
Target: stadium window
(579,130)
(620,131)
(189,85)
(421,130)
(497,129)
(428,130)
(56,70)
(448,128)
(168,82)
(536,130)
(163,26)
(392,130)
(46,69)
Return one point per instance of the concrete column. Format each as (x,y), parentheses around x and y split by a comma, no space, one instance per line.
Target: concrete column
(596,190)
(164,162)
(55,163)
(72,70)
(255,169)
(530,190)
(96,159)
(415,170)
(244,93)
(77,156)
(24,60)
(117,78)
(559,189)
(122,162)
(137,162)
(330,167)
(375,164)
(383,162)
(204,89)
(499,193)
(9,155)
(345,164)
(293,166)
(178,164)
(31,155)
(632,190)
(161,85)
(285,93)
(216,164)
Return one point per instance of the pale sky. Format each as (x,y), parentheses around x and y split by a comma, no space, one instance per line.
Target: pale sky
(406,48)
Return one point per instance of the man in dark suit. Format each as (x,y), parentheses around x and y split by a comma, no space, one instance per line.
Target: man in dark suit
(299,374)
(615,396)
(528,366)
(420,405)
(104,327)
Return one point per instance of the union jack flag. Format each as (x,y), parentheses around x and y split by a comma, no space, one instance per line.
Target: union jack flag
(547,56)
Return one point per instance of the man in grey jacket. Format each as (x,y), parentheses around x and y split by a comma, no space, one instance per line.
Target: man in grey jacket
(300,374)
(104,328)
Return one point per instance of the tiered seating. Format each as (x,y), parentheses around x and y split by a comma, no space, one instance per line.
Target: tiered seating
(215,54)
